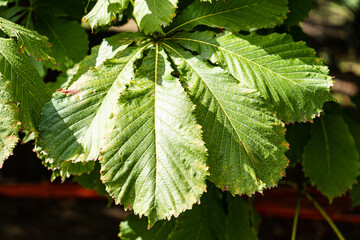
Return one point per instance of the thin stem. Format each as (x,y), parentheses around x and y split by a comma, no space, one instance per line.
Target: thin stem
(296,217)
(132,2)
(327,218)
(28,17)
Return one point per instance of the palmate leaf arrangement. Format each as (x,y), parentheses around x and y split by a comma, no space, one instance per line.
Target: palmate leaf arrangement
(198,94)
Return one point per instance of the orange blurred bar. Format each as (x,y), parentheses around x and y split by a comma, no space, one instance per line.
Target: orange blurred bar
(47,190)
(278,202)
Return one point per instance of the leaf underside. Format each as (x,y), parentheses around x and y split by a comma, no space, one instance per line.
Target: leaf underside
(104,12)
(9,115)
(27,87)
(288,74)
(152,15)
(153,160)
(246,143)
(156,115)
(78,116)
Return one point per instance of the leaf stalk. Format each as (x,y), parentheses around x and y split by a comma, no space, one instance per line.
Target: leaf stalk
(296,217)
(324,214)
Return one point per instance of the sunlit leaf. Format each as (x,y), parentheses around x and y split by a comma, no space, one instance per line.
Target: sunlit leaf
(246,143)
(153,160)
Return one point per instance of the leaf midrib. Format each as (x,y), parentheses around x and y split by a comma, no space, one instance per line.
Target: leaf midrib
(210,15)
(18,81)
(105,99)
(217,100)
(242,57)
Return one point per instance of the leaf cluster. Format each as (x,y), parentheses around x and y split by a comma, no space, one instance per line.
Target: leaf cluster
(201,93)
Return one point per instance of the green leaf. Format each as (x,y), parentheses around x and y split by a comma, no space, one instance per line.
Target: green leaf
(330,157)
(92,180)
(3,3)
(153,160)
(353,125)
(27,88)
(105,11)
(238,220)
(355,194)
(233,15)
(297,135)
(286,73)
(9,117)
(69,39)
(203,222)
(136,229)
(14,13)
(71,8)
(78,117)
(246,143)
(299,10)
(33,43)
(109,48)
(152,15)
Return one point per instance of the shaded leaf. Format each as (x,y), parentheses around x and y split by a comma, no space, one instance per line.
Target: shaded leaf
(355,194)
(153,160)
(72,8)
(203,222)
(354,127)
(299,10)
(69,39)
(286,73)
(330,157)
(233,15)
(238,224)
(246,143)
(134,228)
(297,135)
(152,15)
(92,180)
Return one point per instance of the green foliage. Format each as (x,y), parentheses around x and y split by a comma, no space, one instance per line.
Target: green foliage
(155,145)
(298,11)
(355,194)
(58,20)
(265,64)
(232,15)
(210,220)
(238,130)
(27,88)
(104,12)
(200,94)
(330,157)
(68,37)
(151,16)
(9,114)
(31,42)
